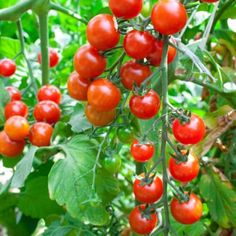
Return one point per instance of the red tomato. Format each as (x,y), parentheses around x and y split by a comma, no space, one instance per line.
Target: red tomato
(16,108)
(53,58)
(47,111)
(103,95)
(14,93)
(88,62)
(140,223)
(133,73)
(49,92)
(138,44)
(187,212)
(126,9)
(102,32)
(209,1)
(40,134)
(146,106)
(10,148)
(169,17)
(7,67)
(189,133)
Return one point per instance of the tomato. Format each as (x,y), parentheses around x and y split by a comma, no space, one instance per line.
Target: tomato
(126,9)
(103,95)
(98,118)
(125,134)
(53,58)
(40,134)
(88,62)
(209,1)
(47,111)
(14,93)
(184,171)
(146,106)
(112,164)
(155,56)
(169,16)
(141,223)
(138,44)
(148,193)
(189,133)
(187,212)
(49,92)
(10,148)
(7,67)
(102,32)
(16,108)
(142,152)
(132,73)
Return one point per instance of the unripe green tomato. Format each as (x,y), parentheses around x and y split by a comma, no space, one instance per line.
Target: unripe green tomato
(146,10)
(112,164)
(126,135)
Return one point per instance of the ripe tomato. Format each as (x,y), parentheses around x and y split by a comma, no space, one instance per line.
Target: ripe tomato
(189,133)
(138,44)
(10,148)
(102,32)
(148,193)
(16,108)
(141,223)
(47,111)
(103,95)
(209,1)
(126,9)
(88,62)
(53,57)
(132,73)
(98,118)
(142,152)
(7,67)
(40,134)
(146,106)
(169,17)
(49,92)
(187,212)
(112,164)
(14,93)
(125,134)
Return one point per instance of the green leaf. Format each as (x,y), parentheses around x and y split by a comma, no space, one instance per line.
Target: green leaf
(9,47)
(8,200)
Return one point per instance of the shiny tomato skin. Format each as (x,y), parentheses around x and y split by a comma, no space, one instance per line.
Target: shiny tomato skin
(187,212)
(14,93)
(102,32)
(138,44)
(40,134)
(88,62)
(49,92)
(53,58)
(7,67)
(132,73)
(10,148)
(125,134)
(47,111)
(103,95)
(141,224)
(16,108)
(126,9)
(189,133)
(169,17)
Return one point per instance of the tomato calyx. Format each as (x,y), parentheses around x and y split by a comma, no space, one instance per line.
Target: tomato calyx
(146,211)
(184,116)
(180,155)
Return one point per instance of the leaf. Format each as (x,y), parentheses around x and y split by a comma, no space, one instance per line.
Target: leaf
(8,200)
(4,99)
(61,129)
(9,47)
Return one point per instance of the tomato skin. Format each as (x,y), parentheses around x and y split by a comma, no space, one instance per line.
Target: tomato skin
(189,133)
(16,108)
(53,58)
(169,17)
(138,44)
(141,225)
(126,9)
(49,92)
(7,67)
(209,1)
(88,62)
(10,148)
(112,164)
(187,212)
(14,93)
(103,95)
(125,135)
(133,73)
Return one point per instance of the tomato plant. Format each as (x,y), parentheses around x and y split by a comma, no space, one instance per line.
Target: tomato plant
(16,108)
(7,67)
(53,58)
(49,92)
(14,93)
(112,164)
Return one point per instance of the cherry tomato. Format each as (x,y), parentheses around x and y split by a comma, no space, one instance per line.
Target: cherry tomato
(169,17)
(10,148)
(98,118)
(7,67)
(132,73)
(125,134)
(126,9)
(40,134)
(112,164)
(141,223)
(209,1)
(103,95)
(187,212)
(189,133)
(146,106)
(53,58)
(138,44)
(16,108)
(49,92)
(47,111)
(88,62)
(14,93)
